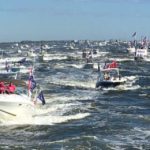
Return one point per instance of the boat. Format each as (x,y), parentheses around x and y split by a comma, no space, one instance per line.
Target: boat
(49,57)
(131,50)
(109,76)
(84,54)
(31,53)
(132,44)
(88,65)
(89,60)
(141,53)
(139,49)
(132,47)
(12,59)
(17,98)
(20,69)
(10,69)
(12,103)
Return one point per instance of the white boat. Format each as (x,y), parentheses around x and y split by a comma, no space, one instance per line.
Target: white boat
(12,104)
(141,53)
(49,57)
(131,50)
(12,59)
(110,77)
(31,53)
(17,103)
(89,65)
(13,69)
(20,69)
(46,47)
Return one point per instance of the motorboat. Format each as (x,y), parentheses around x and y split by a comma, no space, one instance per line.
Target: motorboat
(19,101)
(131,50)
(109,76)
(12,104)
(31,53)
(20,69)
(89,65)
(12,70)
(12,59)
(140,53)
(49,57)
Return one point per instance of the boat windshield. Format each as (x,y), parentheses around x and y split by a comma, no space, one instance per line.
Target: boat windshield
(21,90)
(106,75)
(114,73)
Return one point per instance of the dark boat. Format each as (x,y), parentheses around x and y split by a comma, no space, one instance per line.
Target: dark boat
(110,76)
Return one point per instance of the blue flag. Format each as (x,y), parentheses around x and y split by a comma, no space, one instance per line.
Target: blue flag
(41,97)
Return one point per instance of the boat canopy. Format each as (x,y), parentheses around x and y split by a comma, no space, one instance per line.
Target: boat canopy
(109,69)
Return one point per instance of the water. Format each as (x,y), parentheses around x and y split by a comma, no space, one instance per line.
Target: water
(79,117)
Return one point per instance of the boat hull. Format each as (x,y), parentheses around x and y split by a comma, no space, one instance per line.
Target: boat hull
(12,105)
(89,66)
(139,58)
(108,84)
(131,50)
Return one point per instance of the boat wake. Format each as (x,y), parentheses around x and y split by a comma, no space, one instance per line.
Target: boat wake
(90,85)
(129,85)
(41,119)
(59,109)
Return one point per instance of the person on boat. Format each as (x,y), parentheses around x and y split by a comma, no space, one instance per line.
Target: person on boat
(2,87)
(84,55)
(106,76)
(7,66)
(10,88)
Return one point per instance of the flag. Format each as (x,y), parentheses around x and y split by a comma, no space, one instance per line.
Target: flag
(41,97)
(134,34)
(32,83)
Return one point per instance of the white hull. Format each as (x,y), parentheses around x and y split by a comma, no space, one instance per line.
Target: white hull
(141,52)
(131,50)
(12,59)
(15,105)
(48,57)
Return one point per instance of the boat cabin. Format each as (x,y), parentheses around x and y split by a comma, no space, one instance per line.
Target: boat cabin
(109,74)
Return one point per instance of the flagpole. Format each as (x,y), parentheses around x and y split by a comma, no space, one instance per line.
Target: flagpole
(29,82)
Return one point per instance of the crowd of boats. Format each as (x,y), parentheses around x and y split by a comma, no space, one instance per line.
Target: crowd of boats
(17,95)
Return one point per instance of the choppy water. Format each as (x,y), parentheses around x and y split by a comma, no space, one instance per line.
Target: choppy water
(79,117)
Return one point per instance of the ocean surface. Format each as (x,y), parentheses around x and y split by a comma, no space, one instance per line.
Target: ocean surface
(77,116)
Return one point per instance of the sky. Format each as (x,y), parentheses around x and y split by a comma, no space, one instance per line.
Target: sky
(73,19)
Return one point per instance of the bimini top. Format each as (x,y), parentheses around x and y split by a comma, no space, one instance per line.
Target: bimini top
(110,66)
